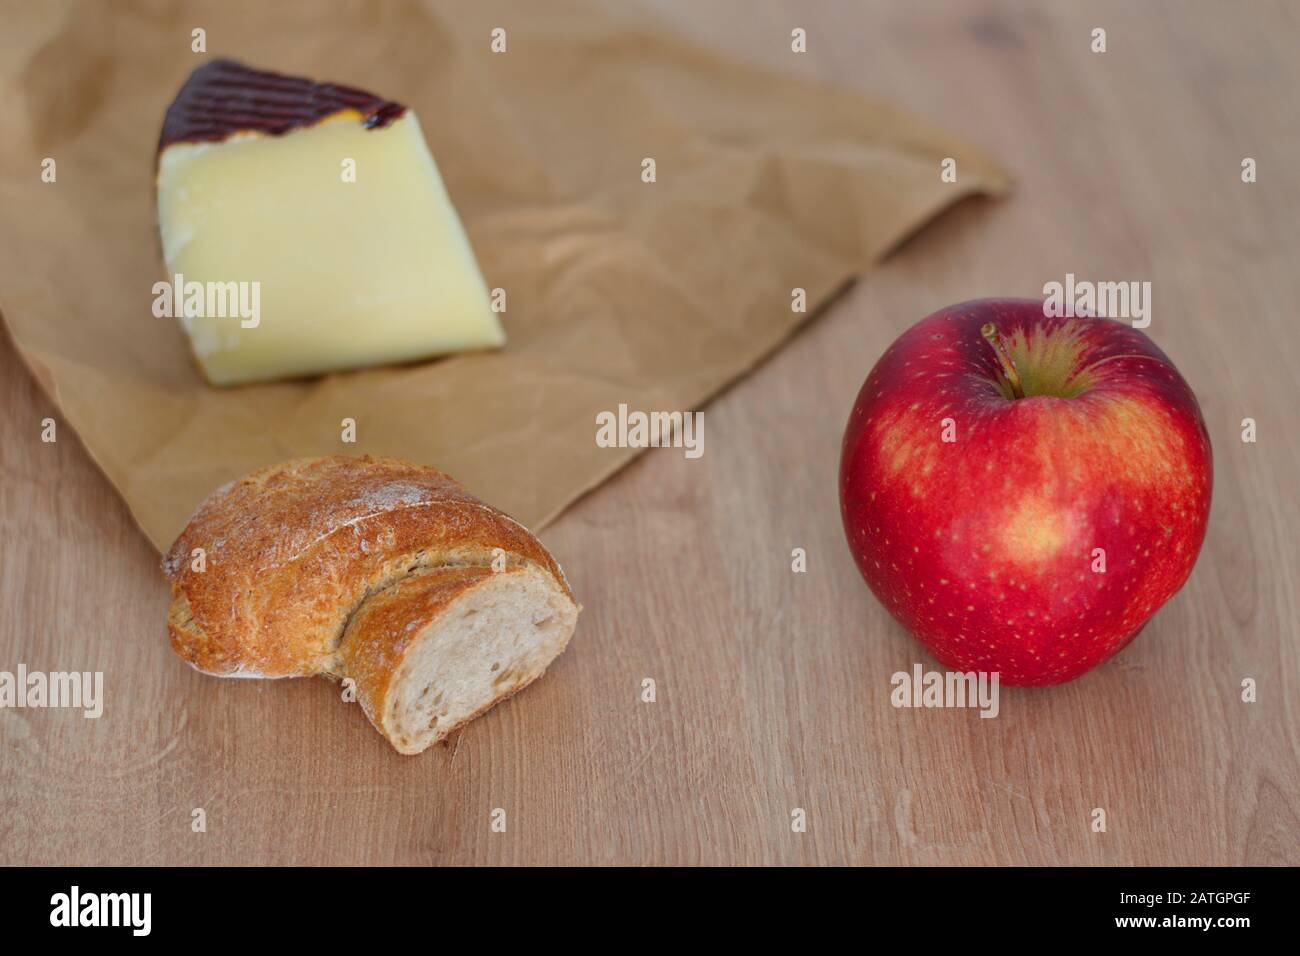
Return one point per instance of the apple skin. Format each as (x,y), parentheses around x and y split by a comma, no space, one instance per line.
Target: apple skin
(983,547)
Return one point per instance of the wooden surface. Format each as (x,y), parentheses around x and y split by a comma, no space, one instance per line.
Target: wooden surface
(773,687)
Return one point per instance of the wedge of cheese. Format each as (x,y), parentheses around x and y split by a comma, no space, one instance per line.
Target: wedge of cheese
(305,228)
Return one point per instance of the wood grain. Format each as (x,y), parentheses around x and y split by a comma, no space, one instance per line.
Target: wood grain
(773,687)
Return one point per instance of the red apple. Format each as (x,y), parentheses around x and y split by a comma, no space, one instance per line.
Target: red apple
(1022,492)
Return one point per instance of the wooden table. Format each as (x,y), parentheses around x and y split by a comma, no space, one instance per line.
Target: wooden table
(773,687)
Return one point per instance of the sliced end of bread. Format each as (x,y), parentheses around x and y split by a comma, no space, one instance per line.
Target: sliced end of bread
(443,645)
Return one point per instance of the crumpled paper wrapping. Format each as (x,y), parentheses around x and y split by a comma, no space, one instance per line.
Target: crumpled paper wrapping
(654,295)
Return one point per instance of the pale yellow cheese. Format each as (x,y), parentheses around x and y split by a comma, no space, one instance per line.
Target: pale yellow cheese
(350,273)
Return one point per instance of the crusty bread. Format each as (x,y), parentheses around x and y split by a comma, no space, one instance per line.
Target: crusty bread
(379,570)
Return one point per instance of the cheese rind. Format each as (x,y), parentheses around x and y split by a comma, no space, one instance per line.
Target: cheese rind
(348,273)
(223,97)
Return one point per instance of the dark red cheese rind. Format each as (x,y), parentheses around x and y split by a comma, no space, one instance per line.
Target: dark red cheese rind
(224,97)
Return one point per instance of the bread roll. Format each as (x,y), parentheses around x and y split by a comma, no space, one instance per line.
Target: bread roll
(383,571)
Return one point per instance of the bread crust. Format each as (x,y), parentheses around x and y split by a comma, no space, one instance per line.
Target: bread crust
(292,550)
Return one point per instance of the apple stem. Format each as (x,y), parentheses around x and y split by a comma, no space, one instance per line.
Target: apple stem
(990,332)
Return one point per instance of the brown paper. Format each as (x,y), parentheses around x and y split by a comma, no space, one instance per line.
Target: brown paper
(654,295)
